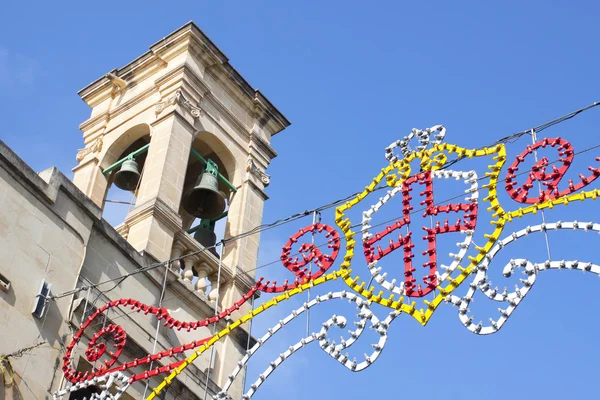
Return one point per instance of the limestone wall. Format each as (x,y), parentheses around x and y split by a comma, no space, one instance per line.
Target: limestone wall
(43,235)
(50,230)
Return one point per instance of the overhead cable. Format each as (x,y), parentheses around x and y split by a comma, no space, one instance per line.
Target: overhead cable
(283,221)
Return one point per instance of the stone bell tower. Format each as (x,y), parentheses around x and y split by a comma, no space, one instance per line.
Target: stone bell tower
(157,124)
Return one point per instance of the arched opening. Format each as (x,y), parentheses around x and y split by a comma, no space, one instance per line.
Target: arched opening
(123,180)
(85,393)
(84,365)
(209,148)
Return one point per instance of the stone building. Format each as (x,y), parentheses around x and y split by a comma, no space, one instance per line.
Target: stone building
(174,106)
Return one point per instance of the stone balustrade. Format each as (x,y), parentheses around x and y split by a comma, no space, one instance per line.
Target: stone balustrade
(200,271)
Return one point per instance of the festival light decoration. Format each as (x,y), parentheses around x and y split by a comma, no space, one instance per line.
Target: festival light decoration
(512,300)
(551,180)
(372,255)
(438,281)
(329,346)
(95,350)
(398,174)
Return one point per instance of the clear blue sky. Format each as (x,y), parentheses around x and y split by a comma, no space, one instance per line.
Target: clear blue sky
(353,77)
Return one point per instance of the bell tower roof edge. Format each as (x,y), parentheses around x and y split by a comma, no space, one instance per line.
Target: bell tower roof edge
(160,53)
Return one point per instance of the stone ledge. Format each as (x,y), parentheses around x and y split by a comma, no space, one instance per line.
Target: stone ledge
(263,145)
(154,208)
(47,183)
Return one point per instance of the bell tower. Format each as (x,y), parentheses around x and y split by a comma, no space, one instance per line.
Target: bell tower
(184,132)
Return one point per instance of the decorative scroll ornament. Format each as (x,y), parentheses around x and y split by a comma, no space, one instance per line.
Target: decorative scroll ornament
(432,283)
(512,300)
(94,148)
(98,353)
(336,351)
(175,98)
(255,170)
(550,180)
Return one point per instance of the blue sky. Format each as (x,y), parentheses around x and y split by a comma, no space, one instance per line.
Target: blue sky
(352,78)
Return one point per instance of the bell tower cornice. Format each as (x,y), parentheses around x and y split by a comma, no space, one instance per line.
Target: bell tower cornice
(186,46)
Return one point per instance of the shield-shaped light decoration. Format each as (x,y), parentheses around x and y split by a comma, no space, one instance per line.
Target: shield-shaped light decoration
(418,200)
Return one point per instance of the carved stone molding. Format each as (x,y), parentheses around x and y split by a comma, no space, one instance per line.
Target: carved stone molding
(262,144)
(119,84)
(178,98)
(253,169)
(94,148)
(154,208)
(161,61)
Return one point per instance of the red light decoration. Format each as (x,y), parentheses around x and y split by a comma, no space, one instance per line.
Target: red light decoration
(95,350)
(550,180)
(310,253)
(373,254)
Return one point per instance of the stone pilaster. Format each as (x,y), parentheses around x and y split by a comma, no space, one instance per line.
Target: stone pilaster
(89,179)
(155,219)
(245,214)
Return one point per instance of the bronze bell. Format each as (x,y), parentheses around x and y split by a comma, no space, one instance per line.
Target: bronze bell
(128,177)
(204,200)
(207,238)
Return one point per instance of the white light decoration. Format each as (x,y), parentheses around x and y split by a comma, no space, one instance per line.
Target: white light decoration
(470,178)
(330,347)
(424,138)
(104,382)
(512,300)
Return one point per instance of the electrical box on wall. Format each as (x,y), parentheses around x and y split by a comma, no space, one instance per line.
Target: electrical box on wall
(39,305)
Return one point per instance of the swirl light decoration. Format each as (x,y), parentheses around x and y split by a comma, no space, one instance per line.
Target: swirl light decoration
(439,281)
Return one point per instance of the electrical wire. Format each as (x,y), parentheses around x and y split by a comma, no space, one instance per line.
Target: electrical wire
(282,221)
(516,136)
(419,210)
(223,242)
(118,202)
(154,266)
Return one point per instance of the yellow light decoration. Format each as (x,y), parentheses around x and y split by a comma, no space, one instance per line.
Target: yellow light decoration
(273,302)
